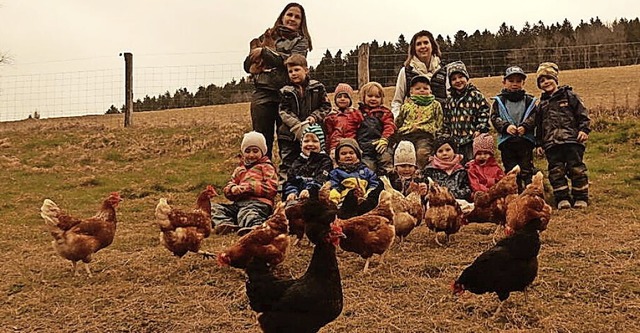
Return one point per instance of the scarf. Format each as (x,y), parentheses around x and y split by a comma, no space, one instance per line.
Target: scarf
(512,96)
(422,68)
(423,100)
(286,32)
(447,166)
(349,167)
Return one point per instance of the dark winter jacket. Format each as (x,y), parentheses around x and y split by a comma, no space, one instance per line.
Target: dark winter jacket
(457,182)
(295,108)
(502,117)
(307,172)
(402,184)
(560,117)
(270,81)
(377,123)
(466,112)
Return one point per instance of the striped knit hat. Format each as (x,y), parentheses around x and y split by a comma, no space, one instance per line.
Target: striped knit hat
(316,130)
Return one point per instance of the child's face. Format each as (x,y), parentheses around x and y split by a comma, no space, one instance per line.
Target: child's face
(547,84)
(513,83)
(373,98)
(458,81)
(421,89)
(445,152)
(251,154)
(297,74)
(406,170)
(343,100)
(310,143)
(482,157)
(347,155)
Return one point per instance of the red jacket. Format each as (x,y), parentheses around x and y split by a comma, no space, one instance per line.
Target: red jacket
(482,177)
(257,181)
(340,125)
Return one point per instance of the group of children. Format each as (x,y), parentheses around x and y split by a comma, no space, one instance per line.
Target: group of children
(352,146)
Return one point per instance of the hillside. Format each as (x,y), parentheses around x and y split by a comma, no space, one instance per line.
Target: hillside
(589,273)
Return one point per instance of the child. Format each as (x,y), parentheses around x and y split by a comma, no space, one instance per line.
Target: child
(483,170)
(513,115)
(252,188)
(375,129)
(563,128)
(466,111)
(311,168)
(304,103)
(446,170)
(343,120)
(351,172)
(420,118)
(405,170)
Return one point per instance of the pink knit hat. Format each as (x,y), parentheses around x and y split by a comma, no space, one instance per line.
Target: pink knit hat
(343,88)
(484,142)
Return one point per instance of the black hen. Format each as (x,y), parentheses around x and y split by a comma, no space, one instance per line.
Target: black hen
(312,301)
(510,265)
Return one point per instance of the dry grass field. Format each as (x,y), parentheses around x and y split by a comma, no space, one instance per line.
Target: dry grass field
(588,281)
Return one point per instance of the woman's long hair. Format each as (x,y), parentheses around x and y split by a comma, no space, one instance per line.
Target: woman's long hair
(303,23)
(435,48)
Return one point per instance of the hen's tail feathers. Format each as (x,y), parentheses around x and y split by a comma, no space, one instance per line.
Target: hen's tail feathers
(162,212)
(49,212)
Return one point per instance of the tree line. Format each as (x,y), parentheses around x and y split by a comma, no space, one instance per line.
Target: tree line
(588,45)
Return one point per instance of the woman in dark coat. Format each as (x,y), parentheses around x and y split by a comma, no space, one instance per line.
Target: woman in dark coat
(265,62)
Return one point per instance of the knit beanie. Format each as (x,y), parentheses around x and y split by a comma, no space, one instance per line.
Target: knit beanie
(483,142)
(419,78)
(405,154)
(440,141)
(256,139)
(343,88)
(316,130)
(457,67)
(547,69)
(348,142)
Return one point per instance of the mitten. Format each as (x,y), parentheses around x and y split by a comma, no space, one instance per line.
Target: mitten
(381,145)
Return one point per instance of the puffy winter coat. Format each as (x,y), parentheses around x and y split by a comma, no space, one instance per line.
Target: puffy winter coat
(560,117)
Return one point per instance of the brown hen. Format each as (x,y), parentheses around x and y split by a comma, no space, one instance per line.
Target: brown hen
(183,231)
(269,242)
(491,206)
(443,212)
(267,40)
(408,211)
(370,233)
(528,206)
(76,239)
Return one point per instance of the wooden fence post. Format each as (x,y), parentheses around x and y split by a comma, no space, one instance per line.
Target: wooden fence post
(363,64)
(128,88)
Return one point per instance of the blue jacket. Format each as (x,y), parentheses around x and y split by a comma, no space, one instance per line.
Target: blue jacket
(501,118)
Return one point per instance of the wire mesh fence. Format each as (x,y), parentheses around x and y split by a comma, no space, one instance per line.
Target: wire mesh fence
(94,92)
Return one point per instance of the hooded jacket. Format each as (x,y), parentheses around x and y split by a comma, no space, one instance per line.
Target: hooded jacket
(561,116)
(295,108)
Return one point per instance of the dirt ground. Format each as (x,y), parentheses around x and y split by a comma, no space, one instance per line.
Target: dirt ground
(588,280)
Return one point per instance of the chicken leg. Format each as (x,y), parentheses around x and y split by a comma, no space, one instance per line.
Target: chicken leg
(206,255)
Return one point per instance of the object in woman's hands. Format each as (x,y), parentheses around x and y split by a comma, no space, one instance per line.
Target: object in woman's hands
(267,40)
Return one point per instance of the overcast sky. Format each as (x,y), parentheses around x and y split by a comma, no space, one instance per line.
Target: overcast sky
(66,52)
(41,35)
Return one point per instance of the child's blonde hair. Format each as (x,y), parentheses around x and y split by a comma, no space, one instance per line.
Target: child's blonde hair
(296,60)
(368,87)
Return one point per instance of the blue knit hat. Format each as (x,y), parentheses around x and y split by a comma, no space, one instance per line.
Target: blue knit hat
(317,131)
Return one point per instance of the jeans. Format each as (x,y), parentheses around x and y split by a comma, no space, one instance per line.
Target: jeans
(245,214)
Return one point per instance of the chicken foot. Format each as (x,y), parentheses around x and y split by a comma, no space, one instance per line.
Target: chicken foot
(366,265)
(206,255)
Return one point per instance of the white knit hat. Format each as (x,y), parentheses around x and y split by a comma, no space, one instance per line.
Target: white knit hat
(256,139)
(405,154)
